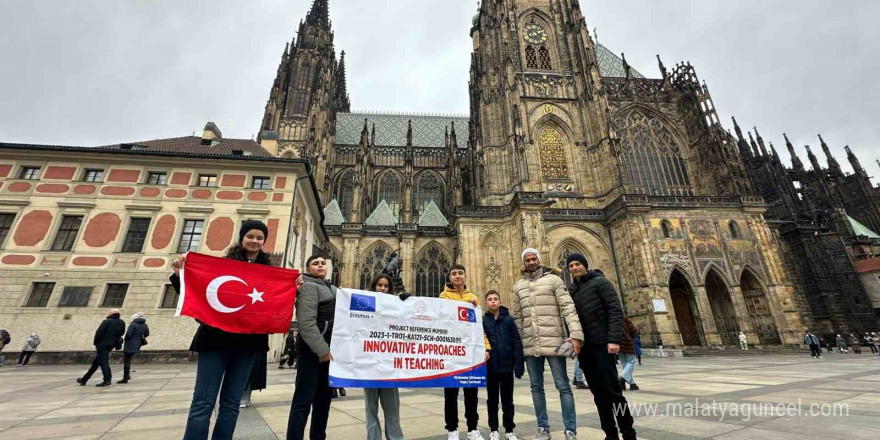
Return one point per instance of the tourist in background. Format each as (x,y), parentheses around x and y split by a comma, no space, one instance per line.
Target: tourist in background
(637,342)
(813,341)
(288,354)
(256,380)
(627,355)
(743,341)
(841,344)
(505,363)
(876,338)
(600,312)
(856,346)
(541,304)
(870,343)
(315,312)
(5,338)
(30,346)
(389,397)
(108,337)
(225,359)
(135,338)
(579,376)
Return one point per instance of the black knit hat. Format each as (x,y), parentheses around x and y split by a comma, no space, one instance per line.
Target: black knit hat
(249,225)
(577,257)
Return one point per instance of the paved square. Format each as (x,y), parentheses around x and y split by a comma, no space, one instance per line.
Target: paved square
(681,398)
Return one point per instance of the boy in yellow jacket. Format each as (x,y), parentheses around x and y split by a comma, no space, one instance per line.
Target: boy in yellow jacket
(456,290)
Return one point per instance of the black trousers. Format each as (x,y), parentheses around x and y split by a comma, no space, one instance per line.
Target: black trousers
(102,360)
(815,350)
(126,365)
(312,394)
(24,357)
(600,372)
(500,384)
(450,408)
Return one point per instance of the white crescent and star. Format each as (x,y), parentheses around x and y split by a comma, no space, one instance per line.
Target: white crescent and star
(214,300)
(462,314)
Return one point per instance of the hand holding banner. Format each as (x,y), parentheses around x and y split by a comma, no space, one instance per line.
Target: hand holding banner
(380,341)
(256,299)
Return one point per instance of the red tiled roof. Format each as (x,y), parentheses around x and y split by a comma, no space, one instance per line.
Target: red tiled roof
(193,145)
(865,266)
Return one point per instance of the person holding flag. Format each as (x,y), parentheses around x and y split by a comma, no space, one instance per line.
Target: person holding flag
(315,312)
(225,358)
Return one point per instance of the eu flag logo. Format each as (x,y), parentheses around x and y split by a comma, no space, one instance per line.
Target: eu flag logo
(362,303)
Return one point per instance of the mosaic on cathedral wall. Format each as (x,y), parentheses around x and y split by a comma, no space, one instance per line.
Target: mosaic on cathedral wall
(554,164)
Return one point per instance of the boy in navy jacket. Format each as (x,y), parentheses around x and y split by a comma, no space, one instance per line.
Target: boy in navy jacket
(505,362)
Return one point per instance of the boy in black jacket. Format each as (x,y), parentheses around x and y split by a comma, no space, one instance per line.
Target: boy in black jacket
(505,362)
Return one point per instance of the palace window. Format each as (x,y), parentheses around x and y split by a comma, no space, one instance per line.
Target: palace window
(137,234)
(260,183)
(67,233)
(191,236)
(207,180)
(75,296)
(554,165)
(29,173)
(388,189)
(373,264)
(169,297)
(5,225)
(157,178)
(93,175)
(115,295)
(431,269)
(40,293)
(653,160)
(429,188)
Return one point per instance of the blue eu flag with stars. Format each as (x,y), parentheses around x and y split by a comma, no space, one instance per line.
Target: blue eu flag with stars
(362,303)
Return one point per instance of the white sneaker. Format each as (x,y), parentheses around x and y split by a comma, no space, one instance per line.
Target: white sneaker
(453,435)
(511,436)
(494,435)
(543,434)
(475,435)
(570,435)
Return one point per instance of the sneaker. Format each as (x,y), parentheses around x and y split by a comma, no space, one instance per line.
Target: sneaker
(570,435)
(494,435)
(453,435)
(475,435)
(510,436)
(820,357)
(543,434)
(633,387)
(244,403)
(342,392)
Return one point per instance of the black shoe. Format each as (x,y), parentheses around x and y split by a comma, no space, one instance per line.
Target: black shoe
(103,384)
(633,387)
(581,386)
(335,394)
(622,383)
(342,392)
(124,380)
(80,381)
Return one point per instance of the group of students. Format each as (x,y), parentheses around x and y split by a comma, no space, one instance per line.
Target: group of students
(549,322)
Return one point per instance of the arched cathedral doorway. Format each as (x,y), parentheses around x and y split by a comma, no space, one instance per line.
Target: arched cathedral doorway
(685,307)
(722,308)
(759,309)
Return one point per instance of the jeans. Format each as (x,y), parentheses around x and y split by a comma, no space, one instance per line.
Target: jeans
(450,408)
(500,384)
(390,399)
(743,345)
(601,373)
(629,364)
(218,372)
(578,373)
(102,359)
(815,350)
(24,357)
(535,365)
(312,394)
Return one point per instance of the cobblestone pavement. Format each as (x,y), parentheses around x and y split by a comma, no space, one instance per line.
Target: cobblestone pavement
(41,402)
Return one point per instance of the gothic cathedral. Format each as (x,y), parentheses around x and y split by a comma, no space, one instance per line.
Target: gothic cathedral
(566,149)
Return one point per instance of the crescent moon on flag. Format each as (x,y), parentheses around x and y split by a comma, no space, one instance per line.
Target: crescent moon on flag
(211,293)
(462,314)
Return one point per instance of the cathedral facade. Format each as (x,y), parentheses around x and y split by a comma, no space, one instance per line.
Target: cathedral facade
(566,149)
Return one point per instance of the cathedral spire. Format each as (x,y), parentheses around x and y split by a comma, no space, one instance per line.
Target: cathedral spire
(854,161)
(813,160)
(319,14)
(774,153)
(795,160)
(744,149)
(342,101)
(757,152)
(832,162)
(662,67)
(761,143)
(409,133)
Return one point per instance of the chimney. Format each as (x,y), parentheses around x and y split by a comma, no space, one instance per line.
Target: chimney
(211,132)
(269,142)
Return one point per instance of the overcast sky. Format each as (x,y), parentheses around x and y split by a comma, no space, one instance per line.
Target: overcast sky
(95,72)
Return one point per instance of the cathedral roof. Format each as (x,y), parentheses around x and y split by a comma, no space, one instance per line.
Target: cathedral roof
(861,229)
(428,130)
(382,216)
(432,216)
(611,64)
(332,214)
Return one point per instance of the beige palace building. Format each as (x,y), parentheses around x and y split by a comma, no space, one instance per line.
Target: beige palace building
(85,229)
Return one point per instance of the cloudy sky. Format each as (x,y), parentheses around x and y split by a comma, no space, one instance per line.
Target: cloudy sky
(94,72)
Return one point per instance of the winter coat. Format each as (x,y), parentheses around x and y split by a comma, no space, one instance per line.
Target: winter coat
(137,330)
(627,344)
(811,339)
(315,310)
(109,332)
(598,308)
(209,338)
(5,338)
(841,342)
(289,346)
(506,355)
(464,295)
(542,308)
(854,340)
(257,379)
(637,342)
(32,343)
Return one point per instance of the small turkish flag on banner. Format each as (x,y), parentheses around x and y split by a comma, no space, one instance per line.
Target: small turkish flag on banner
(235,296)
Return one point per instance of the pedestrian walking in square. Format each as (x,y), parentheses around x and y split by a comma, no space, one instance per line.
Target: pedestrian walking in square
(135,338)
(456,290)
(627,355)
(505,362)
(813,341)
(543,309)
(601,314)
(637,341)
(288,354)
(743,341)
(5,339)
(30,346)
(578,380)
(841,344)
(870,343)
(108,337)
(856,346)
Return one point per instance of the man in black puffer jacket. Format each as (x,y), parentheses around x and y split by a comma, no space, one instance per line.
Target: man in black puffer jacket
(601,317)
(107,338)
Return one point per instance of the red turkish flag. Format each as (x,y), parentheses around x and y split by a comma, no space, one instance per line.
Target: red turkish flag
(235,296)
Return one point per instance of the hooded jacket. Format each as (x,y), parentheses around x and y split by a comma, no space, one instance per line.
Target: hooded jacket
(315,311)
(464,295)
(33,341)
(506,355)
(599,308)
(137,330)
(542,309)
(109,332)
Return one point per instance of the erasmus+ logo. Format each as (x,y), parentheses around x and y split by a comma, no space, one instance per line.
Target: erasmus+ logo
(362,303)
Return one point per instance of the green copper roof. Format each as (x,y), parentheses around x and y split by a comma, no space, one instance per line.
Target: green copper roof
(428,130)
(861,229)
(611,64)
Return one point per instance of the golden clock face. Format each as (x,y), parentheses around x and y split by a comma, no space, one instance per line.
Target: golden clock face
(534,34)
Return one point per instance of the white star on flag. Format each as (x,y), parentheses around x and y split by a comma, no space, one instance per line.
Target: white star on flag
(256,296)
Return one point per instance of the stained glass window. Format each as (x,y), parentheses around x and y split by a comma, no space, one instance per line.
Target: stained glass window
(431,269)
(429,188)
(345,193)
(373,263)
(653,160)
(554,165)
(388,189)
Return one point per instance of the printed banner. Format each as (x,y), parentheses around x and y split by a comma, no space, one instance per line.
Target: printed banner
(380,341)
